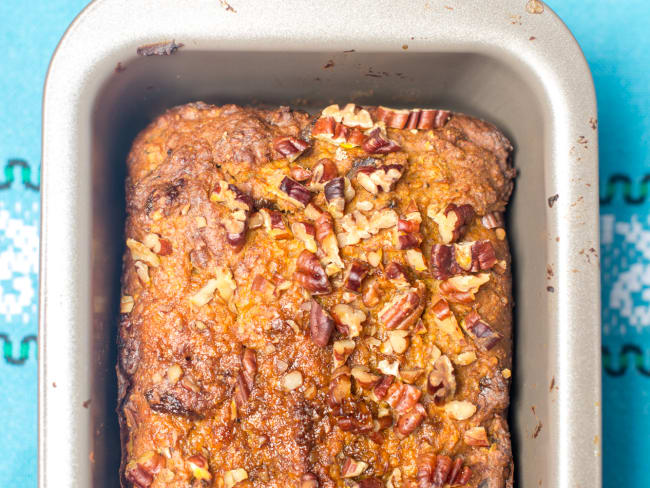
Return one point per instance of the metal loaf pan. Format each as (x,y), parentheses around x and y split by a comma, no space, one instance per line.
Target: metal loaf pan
(494,59)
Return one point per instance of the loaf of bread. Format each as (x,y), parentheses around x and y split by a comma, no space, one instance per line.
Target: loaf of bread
(316,300)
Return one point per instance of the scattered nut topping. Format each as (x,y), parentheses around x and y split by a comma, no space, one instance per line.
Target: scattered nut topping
(126,304)
(390,368)
(335,196)
(340,386)
(305,232)
(441,383)
(352,468)
(460,409)
(484,336)
(142,270)
(355,274)
(374,257)
(348,319)
(300,174)
(395,272)
(324,227)
(402,398)
(341,351)
(292,380)
(200,222)
(274,224)
(465,358)
(295,192)
(500,233)
(162,247)
(321,324)
(308,480)
(324,171)
(142,471)
(461,289)
(226,285)
(439,471)
(415,258)
(206,293)
(311,275)
(263,287)
(446,320)
(411,375)
(140,252)
(370,296)
(476,436)
(234,476)
(399,340)
(246,377)
(240,204)
(417,118)
(452,221)
(357,226)
(408,229)
(377,142)
(350,115)
(364,378)
(403,310)
(174,373)
(493,220)
(395,479)
(328,129)
(448,260)
(290,147)
(365,205)
(379,178)
(410,420)
(199,466)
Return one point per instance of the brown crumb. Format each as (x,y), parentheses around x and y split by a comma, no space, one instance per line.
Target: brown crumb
(350,51)
(552,200)
(549,272)
(550,388)
(550,289)
(538,429)
(227,6)
(449,8)
(534,7)
(405,46)
(329,64)
(532,38)
(86,404)
(593,122)
(119,68)
(159,49)
(54,384)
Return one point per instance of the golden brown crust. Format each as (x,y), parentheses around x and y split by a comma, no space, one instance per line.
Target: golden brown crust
(239,267)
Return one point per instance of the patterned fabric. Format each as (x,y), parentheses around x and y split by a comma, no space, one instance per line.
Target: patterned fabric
(619,59)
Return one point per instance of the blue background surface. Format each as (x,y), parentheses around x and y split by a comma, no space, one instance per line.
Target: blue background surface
(616,40)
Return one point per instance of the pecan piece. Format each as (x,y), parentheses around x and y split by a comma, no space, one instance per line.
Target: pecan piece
(305,232)
(274,224)
(321,324)
(349,320)
(340,386)
(476,436)
(324,171)
(411,420)
(377,142)
(417,118)
(364,378)
(234,476)
(441,382)
(493,220)
(403,310)
(240,204)
(461,289)
(324,226)
(157,244)
(308,480)
(479,330)
(246,377)
(452,221)
(449,260)
(408,229)
(357,271)
(311,275)
(395,272)
(438,471)
(399,340)
(350,115)
(335,196)
(140,252)
(143,471)
(402,398)
(379,178)
(300,174)
(290,147)
(460,409)
(341,351)
(199,467)
(328,129)
(381,389)
(352,468)
(295,192)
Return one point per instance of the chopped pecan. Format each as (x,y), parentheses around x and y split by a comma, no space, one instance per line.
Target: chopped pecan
(295,192)
(449,260)
(324,171)
(290,147)
(377,142)
(324,226)
(341,351)
(452,221)
(415,259)
(340,386)
(446,320)
(328,129)
(321,324)
(308,480)
(370,296)
(305,232)
(357,271)
(240,205)
(379,178)
(441,383)
(390,368)
(292,380)
(484,335)
(246,377)
(411,375)
(274,224)
(381,389)
(160,246)
(350,115)
(199,466)
(399,340)
(364,378)
(300,174)
(335,196)
(206,293)
(395,272)
(263,287)
(438,471)
(493,220)
(357,226)
(460,409)
(140,252)
(370,483)
(311,275)
(352,468)
(403,310)
(349,320)
(476,436)
(126,304)
(411,420)
(408,228)
(417,118)
(226,285)
(426,464)
(234,476)
(402,398)
(461,289)
(142,471)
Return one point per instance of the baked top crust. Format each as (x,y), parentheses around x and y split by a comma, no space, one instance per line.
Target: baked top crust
(316,300)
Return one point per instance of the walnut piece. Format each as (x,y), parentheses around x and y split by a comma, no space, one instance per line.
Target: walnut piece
(461,289)
(379,178)
(460,409)
(349,320)
(452,221)
(341,351)
(441,383)
(476,436)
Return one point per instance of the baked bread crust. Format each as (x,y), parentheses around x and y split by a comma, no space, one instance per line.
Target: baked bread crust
(340,319)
